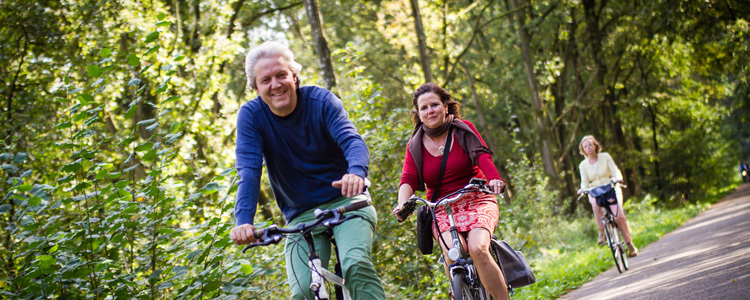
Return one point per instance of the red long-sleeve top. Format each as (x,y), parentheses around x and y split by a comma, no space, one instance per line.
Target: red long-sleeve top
(458,169)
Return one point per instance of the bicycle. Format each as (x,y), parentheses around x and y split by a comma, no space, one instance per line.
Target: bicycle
(319,276)
(612,231)
(465,281)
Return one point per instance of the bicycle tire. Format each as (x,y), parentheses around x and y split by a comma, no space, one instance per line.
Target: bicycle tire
(461,290)
(612,242)
(623,255)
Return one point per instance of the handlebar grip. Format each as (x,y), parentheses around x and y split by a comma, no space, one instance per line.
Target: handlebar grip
(259,233)
(407,209)
(354,206)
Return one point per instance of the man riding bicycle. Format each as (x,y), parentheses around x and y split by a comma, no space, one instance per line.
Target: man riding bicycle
(315,159)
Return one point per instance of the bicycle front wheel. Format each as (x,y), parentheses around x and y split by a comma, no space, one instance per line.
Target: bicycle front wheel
(623,254)
(614,244)
(461,290)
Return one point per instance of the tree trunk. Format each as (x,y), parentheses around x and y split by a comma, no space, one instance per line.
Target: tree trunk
(655,144)
(486,132)
(424,56)
(528,63)
(321,45)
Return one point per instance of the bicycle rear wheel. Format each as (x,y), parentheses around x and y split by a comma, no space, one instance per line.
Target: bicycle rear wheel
(614,244)
(461,290)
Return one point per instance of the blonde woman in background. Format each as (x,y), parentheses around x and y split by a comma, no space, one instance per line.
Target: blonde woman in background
(597,169)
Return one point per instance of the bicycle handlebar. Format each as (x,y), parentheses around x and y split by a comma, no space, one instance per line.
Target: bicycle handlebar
(475,185)
(611,182)
(328,218)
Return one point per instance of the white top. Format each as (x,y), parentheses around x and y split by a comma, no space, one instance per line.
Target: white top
(600,172)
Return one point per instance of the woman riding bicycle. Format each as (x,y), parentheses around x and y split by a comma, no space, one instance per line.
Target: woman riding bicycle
(597,169)
(476,215)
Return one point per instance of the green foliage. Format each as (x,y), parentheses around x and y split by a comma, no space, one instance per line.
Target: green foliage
(118,128)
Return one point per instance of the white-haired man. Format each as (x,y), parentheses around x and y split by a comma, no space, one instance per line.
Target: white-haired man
(315,158)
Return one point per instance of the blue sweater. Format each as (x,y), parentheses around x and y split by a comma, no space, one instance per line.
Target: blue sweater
(304,152)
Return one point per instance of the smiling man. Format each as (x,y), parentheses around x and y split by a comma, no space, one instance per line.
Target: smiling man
(315,158)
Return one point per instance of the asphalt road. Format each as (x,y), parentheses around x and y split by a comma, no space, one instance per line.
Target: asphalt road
(708,257)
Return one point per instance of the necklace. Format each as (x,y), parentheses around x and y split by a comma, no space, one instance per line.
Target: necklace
(440,149)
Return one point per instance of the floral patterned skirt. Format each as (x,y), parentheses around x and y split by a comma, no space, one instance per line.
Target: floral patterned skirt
(474,210)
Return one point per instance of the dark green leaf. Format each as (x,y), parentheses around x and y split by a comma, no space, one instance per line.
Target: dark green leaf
(11,169)
(227,171)
(46,260)
(85,98)
(170,99)
(152,50)
(105,52)
(145,68)
(20,158)
(144,146)
(126,141)
(152,37)
(63,125)
(91,120)
(66,178)
(213,186)
(174,127)
(93,71)
(150,156)
(133,60)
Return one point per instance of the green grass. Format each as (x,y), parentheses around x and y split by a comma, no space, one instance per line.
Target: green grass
(571,257)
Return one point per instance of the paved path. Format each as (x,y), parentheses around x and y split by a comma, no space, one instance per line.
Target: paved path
(706,258)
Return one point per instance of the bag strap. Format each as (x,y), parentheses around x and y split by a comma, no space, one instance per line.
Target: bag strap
(440,180)
(443,163)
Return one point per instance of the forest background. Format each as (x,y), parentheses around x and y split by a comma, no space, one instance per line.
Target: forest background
(118,122)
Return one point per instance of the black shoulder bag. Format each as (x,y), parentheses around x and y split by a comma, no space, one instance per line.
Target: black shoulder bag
(424,215)
(513,264)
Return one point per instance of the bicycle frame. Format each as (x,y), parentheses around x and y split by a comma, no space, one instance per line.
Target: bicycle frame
(319,275)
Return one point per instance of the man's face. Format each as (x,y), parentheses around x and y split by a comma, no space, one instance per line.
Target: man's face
(275,83)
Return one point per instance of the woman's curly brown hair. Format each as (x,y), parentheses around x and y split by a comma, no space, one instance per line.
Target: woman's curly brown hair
(445,97)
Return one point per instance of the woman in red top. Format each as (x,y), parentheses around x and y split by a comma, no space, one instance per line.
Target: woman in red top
(476,215)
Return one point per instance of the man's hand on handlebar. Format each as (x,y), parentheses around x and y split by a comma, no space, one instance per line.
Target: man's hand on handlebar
(350,185)
(243,234)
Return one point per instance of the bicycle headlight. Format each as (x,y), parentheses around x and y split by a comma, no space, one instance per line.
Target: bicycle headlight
(454,254)
(744,173)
